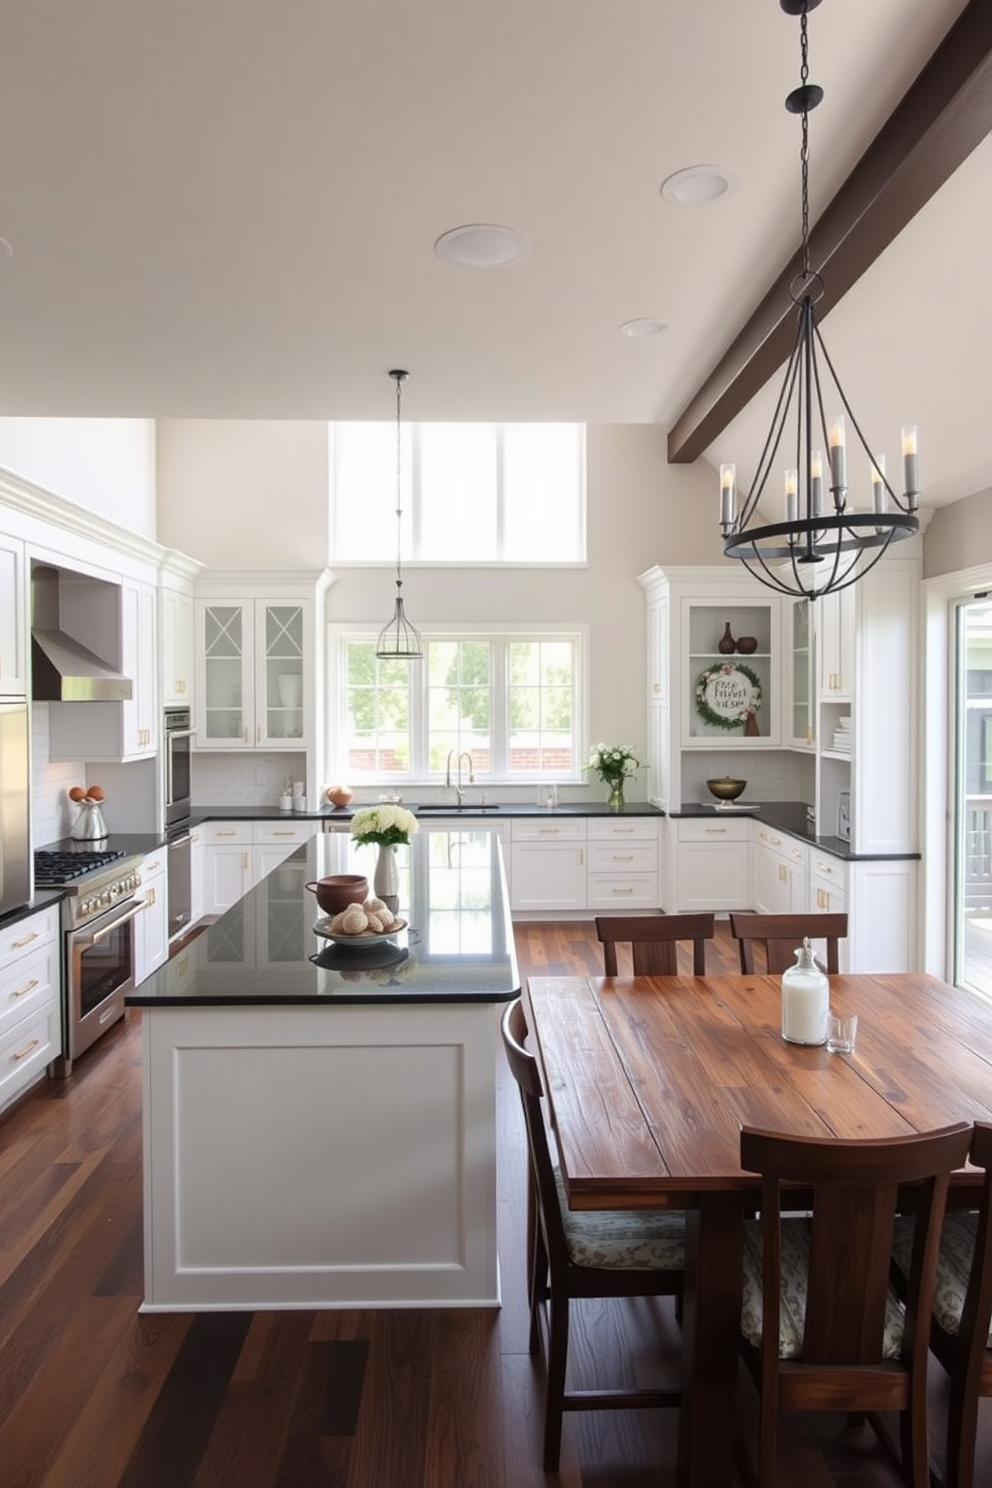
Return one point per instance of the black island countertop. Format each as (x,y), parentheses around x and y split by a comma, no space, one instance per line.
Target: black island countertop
(457,945)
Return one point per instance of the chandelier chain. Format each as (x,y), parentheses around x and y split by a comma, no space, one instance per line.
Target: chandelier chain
(804,148)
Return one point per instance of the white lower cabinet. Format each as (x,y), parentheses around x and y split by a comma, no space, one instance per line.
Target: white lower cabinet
(30,994)
(548,864)
(879,898)
(778,872)
(622,863)
(713,864)
(237,854)
(151,928)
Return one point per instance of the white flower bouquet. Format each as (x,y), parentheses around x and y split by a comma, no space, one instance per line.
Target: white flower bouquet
(613,763)
(388,825)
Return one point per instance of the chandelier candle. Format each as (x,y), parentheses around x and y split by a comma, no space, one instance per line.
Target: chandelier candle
(838,459)
(791,495)
(728,477)
(911,463)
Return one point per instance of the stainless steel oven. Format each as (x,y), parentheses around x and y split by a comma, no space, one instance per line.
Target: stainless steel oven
(98,914)
(178,736)
(179,879)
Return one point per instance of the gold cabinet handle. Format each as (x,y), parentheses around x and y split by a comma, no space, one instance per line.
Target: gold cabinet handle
(623,857)
(23,1053)
(28,987)
(18,944)
(617,890)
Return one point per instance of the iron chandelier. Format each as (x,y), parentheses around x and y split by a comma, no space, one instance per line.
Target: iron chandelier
(817,549)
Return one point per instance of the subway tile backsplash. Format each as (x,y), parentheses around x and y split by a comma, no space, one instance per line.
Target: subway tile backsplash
(51,814)
(253,779)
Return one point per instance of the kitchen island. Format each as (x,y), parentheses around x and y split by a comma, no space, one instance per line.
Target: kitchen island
(319,1119)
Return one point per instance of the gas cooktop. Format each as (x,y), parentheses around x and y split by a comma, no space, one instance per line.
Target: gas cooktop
(54,869)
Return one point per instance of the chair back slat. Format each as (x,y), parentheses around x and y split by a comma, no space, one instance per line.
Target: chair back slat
(780,936)
(653,940)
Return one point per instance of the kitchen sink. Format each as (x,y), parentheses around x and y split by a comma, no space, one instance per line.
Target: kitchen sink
(470,807)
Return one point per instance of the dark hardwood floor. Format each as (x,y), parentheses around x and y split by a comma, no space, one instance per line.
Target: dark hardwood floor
(95,1395)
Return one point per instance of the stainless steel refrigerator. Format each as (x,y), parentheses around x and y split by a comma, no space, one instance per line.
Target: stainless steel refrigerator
(15,869)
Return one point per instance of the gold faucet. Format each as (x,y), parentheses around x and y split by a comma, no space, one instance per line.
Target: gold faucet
(459,788)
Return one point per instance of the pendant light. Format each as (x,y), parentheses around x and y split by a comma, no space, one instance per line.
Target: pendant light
(399,640)
(820,546)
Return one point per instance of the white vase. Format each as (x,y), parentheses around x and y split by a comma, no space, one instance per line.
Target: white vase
(386,882)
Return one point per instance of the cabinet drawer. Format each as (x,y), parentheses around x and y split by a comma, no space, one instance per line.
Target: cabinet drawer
(626,829)
(832,870)
(780,842)
(623,857)
(30,934)
(26,1048)
(227,833)
(549,829)
(631,891)
(153,866)
(27,982)
(704,829)
(283,831)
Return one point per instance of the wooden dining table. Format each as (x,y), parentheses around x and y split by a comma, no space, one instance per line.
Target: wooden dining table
(650,1079)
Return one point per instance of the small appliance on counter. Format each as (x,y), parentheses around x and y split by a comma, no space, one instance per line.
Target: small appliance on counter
(844,815)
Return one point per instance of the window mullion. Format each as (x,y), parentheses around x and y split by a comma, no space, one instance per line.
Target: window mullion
(499,713)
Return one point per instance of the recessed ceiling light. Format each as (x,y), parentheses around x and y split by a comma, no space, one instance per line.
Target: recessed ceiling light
(699,185)
(645,325)
(482,245)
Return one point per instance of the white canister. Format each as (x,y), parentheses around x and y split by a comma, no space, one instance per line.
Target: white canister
(805,1000)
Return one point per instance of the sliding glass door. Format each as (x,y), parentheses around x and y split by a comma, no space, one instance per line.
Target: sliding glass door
(972,812)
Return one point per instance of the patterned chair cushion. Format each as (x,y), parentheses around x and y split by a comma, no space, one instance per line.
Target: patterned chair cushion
(957,1248)
(792,1308)
(623,1239)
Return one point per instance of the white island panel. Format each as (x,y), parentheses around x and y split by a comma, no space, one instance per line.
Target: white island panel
(338,1158)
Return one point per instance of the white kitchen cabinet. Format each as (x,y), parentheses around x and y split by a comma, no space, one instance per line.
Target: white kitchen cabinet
(713,864)
(176,626)
(227,864)
(13,619)
(689,610)
(778,872)
(274,841)
(30,994)
(802,679)
(151,928)
(124,731)
(622,864)
(835,632)
(255,673)
(548,864)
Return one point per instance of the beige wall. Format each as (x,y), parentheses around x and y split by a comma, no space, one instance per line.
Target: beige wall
(959,536)
(254,496)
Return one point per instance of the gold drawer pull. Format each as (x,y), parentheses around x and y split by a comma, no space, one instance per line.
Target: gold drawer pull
(28,987)
(628,890)
(716,831)
(623,857)
(23,1053)
(19,944)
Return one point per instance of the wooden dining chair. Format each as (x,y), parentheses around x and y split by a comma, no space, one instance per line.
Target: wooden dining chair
(821,1326)
(780,936)
(574,1253)
(654,941)
(962,1311)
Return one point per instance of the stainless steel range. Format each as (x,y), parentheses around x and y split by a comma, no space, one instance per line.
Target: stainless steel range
(98,938)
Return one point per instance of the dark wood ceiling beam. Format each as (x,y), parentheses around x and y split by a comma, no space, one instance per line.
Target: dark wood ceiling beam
(942,118)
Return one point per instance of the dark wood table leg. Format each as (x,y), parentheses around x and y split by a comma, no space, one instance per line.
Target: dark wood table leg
(710,1333)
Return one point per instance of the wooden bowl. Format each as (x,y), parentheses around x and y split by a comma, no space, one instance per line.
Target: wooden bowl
(727,789)
(338,890)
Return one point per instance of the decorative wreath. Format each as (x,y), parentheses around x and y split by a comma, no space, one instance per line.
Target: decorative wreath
(727,695)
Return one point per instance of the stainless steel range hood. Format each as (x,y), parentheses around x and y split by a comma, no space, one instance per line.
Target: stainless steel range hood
(71,613)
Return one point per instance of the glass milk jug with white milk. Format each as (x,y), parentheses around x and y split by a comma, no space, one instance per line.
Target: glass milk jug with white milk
(805,1000)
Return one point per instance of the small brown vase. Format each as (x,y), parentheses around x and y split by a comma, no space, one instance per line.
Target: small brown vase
(746,645)
(751,729)
(726,644)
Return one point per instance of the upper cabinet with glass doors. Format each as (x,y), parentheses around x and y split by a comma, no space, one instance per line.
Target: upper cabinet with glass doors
(256,673)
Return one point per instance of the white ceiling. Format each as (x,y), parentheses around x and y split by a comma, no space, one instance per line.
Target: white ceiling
(227,209)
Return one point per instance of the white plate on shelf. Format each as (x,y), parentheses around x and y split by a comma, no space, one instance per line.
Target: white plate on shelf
(355,942)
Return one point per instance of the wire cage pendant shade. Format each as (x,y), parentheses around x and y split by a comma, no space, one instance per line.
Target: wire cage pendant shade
(822,544)
(399,639)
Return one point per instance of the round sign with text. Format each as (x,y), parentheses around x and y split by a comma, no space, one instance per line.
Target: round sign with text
(728,695)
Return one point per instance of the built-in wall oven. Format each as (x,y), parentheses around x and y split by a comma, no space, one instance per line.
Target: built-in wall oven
(178,736)
(98,914)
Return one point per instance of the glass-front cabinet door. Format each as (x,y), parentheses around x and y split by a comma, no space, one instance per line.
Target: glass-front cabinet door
(281,647)
(227,678)
(803,726)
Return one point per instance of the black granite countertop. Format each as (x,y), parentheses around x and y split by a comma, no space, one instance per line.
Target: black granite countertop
(457,945)
(41,900)
(790,817)
(423,810)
